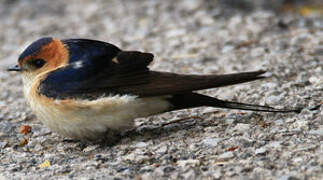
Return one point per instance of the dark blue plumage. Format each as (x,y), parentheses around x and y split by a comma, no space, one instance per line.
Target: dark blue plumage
(86,50)
(35,47)
(87,60)
(91,66)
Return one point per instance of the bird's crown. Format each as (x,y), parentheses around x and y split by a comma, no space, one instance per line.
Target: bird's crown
(34,48)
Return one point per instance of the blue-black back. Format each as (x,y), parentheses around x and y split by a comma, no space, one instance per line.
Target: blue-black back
(87,50)
(94,58)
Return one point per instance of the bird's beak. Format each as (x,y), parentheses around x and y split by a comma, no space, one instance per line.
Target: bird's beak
(14,68)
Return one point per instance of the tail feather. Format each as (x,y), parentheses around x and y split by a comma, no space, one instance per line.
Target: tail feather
(190,100)
(251,107)
(235,78)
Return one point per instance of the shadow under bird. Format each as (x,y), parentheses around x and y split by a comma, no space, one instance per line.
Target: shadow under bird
(87,89)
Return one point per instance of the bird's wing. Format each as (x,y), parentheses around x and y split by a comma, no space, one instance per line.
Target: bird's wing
(127,73)
(98,76)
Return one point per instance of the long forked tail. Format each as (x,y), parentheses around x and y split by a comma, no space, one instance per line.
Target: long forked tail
(190,100)
(251,107)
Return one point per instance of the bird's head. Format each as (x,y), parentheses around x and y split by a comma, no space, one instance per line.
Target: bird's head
(43,55)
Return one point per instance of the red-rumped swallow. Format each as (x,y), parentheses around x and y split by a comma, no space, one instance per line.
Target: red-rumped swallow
(85,89)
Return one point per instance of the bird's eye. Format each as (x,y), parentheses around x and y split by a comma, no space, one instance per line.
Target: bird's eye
(38,63)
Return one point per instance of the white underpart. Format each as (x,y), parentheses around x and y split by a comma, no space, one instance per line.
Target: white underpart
(90,119)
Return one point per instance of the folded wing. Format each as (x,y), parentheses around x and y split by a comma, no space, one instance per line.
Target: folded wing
(127,73)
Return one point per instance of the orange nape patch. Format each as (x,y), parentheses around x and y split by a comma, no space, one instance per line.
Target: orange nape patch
(54,53)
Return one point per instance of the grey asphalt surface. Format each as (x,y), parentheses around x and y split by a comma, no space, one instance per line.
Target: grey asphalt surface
(186,36)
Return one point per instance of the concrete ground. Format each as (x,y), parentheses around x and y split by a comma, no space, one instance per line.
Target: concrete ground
(186,36)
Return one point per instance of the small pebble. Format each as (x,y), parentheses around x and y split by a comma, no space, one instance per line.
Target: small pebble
(191,162)
(261,151)
(242,127)
(225,156)
(212,142)
(141,144)
(273,100)
(318,132)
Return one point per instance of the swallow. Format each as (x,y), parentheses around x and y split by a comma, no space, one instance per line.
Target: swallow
(86,89)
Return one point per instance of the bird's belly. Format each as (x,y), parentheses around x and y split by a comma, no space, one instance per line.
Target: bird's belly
(90,119)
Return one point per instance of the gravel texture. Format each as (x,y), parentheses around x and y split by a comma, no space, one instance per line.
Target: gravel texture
(188,36)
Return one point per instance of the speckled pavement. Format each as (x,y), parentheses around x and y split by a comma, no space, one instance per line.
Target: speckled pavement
(187,36)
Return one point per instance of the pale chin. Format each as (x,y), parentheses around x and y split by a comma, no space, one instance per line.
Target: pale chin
(27,80)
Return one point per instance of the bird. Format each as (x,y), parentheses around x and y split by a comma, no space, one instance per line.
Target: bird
(90,90)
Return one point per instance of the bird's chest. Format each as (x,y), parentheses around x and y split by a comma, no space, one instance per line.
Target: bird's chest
(79,120)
